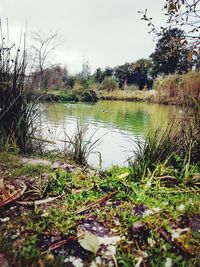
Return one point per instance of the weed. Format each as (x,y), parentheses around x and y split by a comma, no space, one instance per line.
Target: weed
(79,148)
(174,148)
(17,113)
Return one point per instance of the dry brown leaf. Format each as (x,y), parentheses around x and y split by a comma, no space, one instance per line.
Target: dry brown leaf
(10,191)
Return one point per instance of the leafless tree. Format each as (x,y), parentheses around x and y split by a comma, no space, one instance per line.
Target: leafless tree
(44,45)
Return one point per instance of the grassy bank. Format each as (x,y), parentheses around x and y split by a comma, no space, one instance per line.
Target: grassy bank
(173,89)
(121,221)
(127,95)
(75,96)
(66,95)
(146,214)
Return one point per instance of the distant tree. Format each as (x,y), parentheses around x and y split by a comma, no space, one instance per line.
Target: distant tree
(137,73)
(44,45)
(142,73)
(53,77)
(109,84)
(85,72)
(171,54)
(124,73)
(98,75)
(108,72)
(83,76)
(70,81)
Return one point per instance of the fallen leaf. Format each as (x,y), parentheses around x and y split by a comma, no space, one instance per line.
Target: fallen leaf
(88,240)
(10,191)
(123,175)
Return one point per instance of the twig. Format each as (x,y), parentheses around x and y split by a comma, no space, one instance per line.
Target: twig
(180,191)
(60,244)
(141,253)
(38,202)
(166,177)
(100,200)
(167,237)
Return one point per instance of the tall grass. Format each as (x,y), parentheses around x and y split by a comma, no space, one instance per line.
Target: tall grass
(178,89)
(132,94)
(176,147)
(79,147)
(15,108)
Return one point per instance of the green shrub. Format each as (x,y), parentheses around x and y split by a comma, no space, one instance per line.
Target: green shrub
(109,84)
(70,96)
(88,96)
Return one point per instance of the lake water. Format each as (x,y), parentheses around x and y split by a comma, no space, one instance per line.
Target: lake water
(118,123)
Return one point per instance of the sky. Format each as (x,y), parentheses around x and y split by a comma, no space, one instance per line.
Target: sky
(101,32)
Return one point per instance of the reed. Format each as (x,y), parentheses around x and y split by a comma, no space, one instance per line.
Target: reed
(176,147)
(16,109)
(178,89)
(79,146)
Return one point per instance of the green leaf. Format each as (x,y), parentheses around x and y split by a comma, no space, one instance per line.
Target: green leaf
(88,240)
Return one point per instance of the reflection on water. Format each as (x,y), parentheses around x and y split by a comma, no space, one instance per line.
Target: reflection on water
(116,121)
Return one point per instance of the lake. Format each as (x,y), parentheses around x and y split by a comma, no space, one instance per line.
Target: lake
(119,124)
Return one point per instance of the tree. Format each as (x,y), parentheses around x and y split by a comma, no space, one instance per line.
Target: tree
(108,72)
(84,76)
(142,73)
(184,14)
(124,73)
(171,54)
(137,73)
(44,45)
(100,75)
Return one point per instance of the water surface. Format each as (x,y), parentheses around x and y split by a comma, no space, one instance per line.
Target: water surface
(117,122)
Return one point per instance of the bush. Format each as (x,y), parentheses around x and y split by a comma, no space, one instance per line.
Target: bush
(70,96)
(109,84)
(178,89)
(88,96)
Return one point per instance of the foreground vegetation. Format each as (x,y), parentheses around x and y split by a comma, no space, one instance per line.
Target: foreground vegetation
(150,223)
(146,214)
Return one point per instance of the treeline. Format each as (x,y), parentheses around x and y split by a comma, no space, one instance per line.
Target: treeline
(171,56)
(57,77)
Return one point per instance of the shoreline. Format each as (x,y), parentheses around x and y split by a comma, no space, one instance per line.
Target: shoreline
(118,95)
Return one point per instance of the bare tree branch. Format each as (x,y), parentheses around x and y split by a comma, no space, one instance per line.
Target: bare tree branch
(45,44)
(184,14)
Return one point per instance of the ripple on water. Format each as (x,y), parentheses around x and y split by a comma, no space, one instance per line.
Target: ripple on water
(119,124)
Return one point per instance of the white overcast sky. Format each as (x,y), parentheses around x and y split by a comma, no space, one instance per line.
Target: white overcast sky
(103,32)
